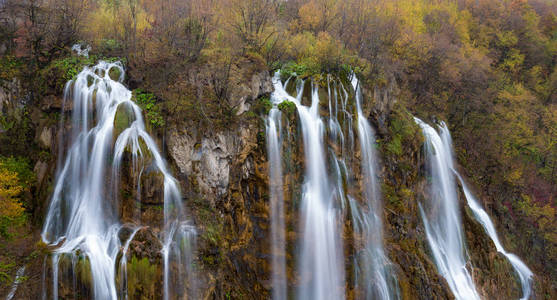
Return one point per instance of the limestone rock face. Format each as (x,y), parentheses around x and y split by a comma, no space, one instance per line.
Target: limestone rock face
(244,93)
(222,176)
(40,170)
(206,158)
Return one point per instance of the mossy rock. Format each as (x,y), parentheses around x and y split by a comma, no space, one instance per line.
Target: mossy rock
(287,107)
(114,73)
(262,106)
(142,279)
(123,118)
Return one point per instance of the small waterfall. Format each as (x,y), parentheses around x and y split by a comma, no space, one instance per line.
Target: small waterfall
(523,272)
(124,265)
(278,241)
(375,268)
(18,275)
(81,50)
(441,215)
(83,217)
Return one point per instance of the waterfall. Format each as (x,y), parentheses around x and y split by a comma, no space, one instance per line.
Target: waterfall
(326,196)
(375,273)
(278,241)
(83,217)
(18,275)
(320,261)
(441,215)
(443,143)
(124,265)
(523,272)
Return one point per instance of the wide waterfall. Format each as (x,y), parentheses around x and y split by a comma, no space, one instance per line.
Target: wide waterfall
(441,215)
(325,197)
(84,221)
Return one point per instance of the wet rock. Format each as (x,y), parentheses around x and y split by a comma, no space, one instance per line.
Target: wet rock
(383,99)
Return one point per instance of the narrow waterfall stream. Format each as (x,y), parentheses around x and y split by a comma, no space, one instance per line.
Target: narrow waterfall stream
(441,216)
(18,275)
(376,278)
(83,221)
(325,198)
(278,241)
(442,145)
(523,272)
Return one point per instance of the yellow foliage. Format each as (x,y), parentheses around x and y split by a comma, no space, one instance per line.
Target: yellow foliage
(514,175)
(309,17)
(462,26)
(318,15)
(544,216)
(11,209)
(108,21)
(301,45)
(9,191)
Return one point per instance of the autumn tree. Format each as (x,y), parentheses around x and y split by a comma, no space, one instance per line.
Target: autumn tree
(249,20)
(11,209)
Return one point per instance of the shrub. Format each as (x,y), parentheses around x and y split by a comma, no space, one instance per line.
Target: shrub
(12,213)
(262,106)
(147,102)
(287,107)
(141,278)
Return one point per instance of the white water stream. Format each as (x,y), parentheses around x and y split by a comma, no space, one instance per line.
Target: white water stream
(523,272)
(375,276)
(324,196)
(444,232)
(83,218)
(278,242)
(320,260)
(441,216)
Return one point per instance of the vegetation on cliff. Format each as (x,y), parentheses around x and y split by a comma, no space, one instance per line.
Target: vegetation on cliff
(489,68)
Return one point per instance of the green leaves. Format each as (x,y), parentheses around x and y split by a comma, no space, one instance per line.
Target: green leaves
(147,102)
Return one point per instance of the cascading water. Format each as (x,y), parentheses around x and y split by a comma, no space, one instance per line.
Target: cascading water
(441,216)
(18,276)
(325,197)
(524,273)
(278,241)
(82,219)
(321,259)
(374,267)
